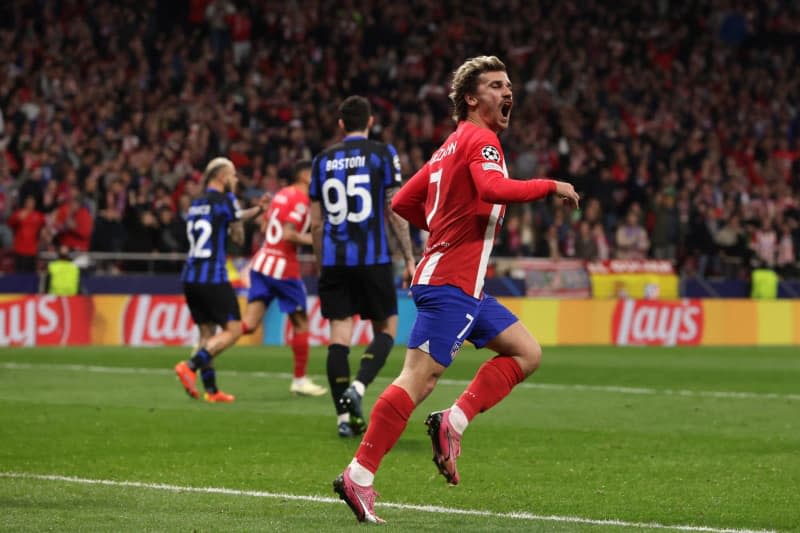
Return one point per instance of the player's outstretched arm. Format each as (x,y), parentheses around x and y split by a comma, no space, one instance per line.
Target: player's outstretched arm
(495,188)
(252,212)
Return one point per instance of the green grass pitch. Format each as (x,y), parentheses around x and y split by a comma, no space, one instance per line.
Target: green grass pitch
(600,439)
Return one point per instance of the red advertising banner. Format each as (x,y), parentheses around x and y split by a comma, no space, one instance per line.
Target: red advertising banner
(45,320)
(657,323)
(319,328)
(158,320)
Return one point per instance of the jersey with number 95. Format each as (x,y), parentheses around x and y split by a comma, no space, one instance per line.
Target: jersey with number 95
(350,180)
(207,231)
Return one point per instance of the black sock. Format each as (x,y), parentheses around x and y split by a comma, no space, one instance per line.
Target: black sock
(338,373)
(374,358)
(201,359)
(209,376)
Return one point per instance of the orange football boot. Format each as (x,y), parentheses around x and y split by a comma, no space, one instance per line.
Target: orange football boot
(187,378)
(219,397)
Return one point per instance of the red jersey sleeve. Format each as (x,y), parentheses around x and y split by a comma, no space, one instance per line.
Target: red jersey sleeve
(409,202)
(487,166)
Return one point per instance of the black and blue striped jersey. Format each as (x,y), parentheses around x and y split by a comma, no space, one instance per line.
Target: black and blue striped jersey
(207,229)
(350,180)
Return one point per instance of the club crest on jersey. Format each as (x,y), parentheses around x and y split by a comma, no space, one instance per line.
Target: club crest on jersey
(490,153)
(454,350)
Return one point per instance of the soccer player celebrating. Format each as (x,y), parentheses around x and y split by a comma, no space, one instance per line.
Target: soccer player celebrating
(208,292)
(459,196)
(352,184)
(275,272)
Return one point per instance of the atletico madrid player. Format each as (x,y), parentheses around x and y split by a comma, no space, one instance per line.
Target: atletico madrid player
(459,196)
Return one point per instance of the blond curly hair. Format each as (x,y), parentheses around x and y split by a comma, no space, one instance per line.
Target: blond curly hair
(465,81)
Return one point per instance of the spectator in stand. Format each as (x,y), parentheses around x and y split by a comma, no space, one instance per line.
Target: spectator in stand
(700,240)
(109,233)
(171,238)
(632,241)
(33,185)
(27,224)
(732,242)
(665,227)
(601,242)
(786,259)
(71,223)
(143,233)
(7,194)
(765,245)
(585,244)
(610,106)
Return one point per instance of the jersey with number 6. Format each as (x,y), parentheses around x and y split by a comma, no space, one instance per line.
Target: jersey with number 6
(350,180)
(207,230)
(459,196)
(277,257)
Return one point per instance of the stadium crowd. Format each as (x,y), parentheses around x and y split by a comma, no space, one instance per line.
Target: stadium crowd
(677,122)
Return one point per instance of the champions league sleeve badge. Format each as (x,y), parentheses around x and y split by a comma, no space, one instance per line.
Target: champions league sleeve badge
(490,153)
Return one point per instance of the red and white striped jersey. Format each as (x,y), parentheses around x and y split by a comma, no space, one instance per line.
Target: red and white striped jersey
(277,257)
(459,196)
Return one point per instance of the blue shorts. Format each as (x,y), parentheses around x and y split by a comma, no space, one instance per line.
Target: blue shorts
(291,293)
(446,317)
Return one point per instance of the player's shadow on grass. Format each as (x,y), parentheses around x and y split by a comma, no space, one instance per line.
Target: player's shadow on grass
(413,445)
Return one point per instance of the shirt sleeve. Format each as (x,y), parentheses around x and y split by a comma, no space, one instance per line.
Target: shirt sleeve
(486,164)
(235,210)
(394,177)
(409,202)
(294,212)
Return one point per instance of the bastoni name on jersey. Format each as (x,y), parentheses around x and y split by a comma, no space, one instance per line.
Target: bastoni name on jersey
(342,163)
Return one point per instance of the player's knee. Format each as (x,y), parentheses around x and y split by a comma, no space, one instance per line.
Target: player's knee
(529,363)
(235,329)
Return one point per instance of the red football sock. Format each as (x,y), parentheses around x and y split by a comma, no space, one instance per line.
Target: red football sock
(386,423)
(300,349)
(493,382)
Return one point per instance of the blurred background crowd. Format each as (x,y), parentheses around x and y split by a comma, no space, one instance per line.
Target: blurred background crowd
(677,122)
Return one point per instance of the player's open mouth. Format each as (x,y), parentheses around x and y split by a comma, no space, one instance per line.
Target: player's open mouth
(506,109)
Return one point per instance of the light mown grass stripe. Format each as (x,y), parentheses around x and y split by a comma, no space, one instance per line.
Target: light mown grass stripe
(402,506)
(644,391)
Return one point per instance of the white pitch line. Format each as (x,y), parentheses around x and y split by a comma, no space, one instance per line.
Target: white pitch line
(403,506)
(643,391)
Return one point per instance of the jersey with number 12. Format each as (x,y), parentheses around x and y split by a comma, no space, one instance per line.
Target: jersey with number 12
(277,257)
(207,231)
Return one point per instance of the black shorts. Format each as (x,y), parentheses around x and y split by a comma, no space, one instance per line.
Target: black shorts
(364,290)
(212,303)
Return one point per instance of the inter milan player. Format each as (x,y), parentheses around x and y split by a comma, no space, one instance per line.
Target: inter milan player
(459,196)
(275,272)
(209,295)
(352,185)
